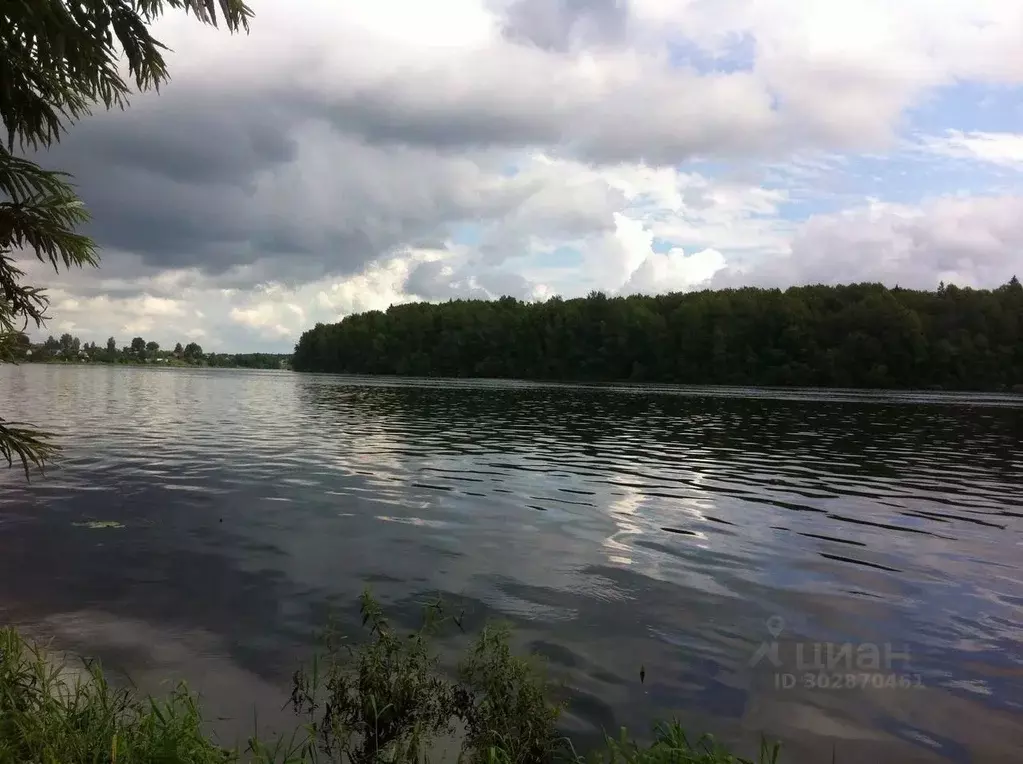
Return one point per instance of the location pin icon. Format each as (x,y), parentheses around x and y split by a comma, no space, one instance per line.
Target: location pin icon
(775,625)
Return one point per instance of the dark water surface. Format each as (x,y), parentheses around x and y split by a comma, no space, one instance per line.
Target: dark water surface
(679,530)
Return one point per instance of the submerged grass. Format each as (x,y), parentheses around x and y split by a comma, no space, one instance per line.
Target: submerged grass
(382,701)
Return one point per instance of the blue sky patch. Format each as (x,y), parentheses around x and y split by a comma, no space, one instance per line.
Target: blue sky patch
(738,55)
(969,106)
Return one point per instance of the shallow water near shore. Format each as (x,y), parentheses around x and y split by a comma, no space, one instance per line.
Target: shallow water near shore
(203,524)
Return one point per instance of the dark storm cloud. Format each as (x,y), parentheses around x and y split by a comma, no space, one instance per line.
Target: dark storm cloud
(428,280)
(189,135)
(525,101)
(559,24)
(171,178)
(395,112)
(245,178)
(249,183)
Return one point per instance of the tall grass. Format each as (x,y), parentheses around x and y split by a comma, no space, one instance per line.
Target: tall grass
(385,700)
(50,713)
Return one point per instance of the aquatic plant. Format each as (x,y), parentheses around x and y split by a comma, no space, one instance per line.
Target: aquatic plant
(52,711)
(384,700)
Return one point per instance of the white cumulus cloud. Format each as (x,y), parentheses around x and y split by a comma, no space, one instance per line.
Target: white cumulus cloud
(346,156)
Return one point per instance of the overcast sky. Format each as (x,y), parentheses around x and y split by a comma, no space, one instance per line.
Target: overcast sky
(350,154)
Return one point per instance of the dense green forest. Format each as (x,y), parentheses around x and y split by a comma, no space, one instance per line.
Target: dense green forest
(68,348)
(859,335)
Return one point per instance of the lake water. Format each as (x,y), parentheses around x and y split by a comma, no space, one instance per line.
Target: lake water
(689,532)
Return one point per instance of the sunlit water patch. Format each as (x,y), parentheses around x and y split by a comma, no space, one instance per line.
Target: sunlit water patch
(681,530)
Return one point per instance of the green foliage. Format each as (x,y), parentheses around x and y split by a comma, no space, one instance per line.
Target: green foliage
(254,360)
(671,745)
(25,444)
(69,348)
(503,703)
(13,346)
(386,700)
(860,335)
(383,701)
(59,61)
(52,714)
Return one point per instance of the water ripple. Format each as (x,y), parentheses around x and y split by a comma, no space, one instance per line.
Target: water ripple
(618,526)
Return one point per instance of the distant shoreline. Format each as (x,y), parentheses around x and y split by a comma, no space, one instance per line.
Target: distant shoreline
(1013,390)
(853,336)
(790,390)
(175,364)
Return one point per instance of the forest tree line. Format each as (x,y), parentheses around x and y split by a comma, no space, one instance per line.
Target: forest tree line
(857,335)
(69,348)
